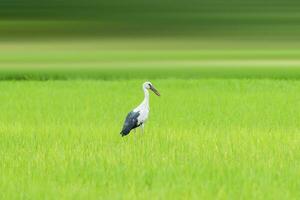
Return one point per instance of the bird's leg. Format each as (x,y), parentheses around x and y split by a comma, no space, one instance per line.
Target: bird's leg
(142,128)
(134,135)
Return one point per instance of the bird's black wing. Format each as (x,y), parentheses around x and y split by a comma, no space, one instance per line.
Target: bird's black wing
(130,123)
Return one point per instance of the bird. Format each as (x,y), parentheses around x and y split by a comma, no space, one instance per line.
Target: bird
(138,116)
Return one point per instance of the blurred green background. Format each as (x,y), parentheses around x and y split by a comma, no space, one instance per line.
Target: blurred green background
(235,19)
(149,39)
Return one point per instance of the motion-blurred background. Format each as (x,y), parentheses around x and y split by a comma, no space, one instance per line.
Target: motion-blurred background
(98,34)
(235,19)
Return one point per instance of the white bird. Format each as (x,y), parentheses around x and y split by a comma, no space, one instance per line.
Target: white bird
(138,116)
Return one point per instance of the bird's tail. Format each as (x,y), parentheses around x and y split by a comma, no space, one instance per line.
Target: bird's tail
(124,133)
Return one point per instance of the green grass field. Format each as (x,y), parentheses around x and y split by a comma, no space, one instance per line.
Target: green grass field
(209,139)
(226,126)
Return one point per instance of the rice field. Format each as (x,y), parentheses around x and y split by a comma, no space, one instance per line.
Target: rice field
(224,139)
(215,133)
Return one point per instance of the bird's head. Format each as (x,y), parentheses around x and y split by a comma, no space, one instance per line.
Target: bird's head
(147,85)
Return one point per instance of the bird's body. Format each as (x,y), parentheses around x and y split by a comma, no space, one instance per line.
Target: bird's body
(138,116)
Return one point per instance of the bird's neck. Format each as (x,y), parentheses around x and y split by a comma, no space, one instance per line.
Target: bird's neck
(146,98)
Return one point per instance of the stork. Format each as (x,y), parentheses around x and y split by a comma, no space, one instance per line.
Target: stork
(138,116)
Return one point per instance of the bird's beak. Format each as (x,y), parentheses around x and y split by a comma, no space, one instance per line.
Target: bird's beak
(154,90)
